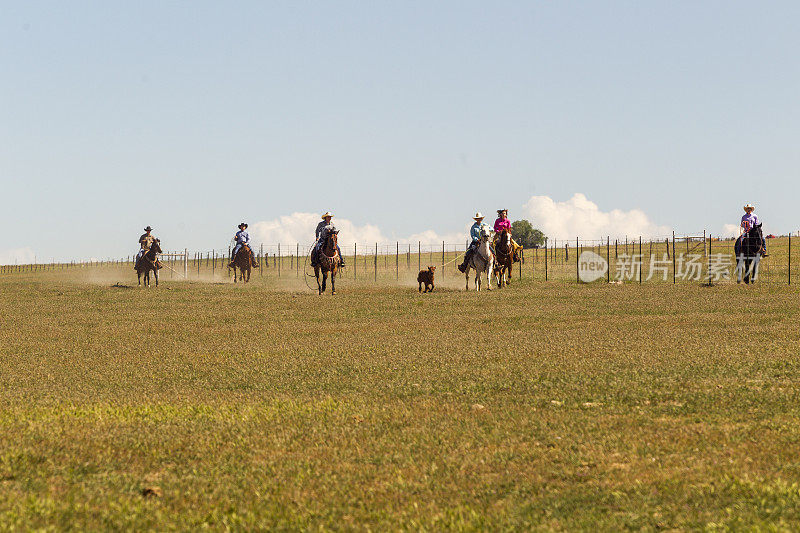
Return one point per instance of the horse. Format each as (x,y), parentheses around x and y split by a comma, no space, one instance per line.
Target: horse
(748,248)
(327,260)
(147,262)
(482,261)
(504,257)
(244,262)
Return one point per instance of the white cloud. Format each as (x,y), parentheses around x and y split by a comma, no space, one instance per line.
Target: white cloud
(17,256)
(580,217)
(577,217)
(431,237)
(730,230)
(299,228)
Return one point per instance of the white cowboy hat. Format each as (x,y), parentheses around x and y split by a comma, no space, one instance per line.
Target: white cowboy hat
(749,206)
(478,216)
(326,215)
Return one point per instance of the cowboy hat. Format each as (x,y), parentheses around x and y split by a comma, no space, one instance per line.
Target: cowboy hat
(148,228)
(478,216)
(242,224)
(326,215)
(749,206)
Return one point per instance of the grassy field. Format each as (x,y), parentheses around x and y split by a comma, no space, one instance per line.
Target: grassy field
(543,406)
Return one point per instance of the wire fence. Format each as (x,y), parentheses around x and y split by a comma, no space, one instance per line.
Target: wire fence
(698,258)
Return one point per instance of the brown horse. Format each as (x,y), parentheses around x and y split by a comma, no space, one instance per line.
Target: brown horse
(149,262)
(244,262)
(504,254)
(328,261)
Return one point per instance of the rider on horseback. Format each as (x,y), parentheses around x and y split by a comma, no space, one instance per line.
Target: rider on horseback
(242,238)
(503,223)
(750,221)
(475,235)
(145,242)
(323,228)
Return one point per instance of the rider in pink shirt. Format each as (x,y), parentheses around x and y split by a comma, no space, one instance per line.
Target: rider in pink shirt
(503,223)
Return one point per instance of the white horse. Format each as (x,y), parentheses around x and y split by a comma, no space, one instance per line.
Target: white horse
(482,261)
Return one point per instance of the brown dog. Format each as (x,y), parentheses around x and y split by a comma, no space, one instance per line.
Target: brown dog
(426,277)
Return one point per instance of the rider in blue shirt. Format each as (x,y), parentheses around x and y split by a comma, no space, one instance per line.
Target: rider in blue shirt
(475,235)
(242,238)
(320,233)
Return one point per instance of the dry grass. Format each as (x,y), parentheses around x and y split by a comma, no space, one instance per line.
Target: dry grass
(547,406)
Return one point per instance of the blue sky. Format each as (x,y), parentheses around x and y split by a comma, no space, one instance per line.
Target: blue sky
(405,116)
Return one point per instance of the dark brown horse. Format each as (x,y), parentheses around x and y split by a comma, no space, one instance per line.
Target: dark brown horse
(328,261)
(504,255)
(244,262)
(149,262)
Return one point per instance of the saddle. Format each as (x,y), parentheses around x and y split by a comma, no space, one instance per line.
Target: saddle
(156,263)
(249,251)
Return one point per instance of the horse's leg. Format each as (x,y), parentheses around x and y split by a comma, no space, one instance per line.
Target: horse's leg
(756,262)
(248,276)
(466,275)
(155,273)
(739,268)
(139,277)
(324,280)
(489,277)
(316,274)
(333,281)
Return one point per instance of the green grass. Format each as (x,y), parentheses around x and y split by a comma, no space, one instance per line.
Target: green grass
(542,406)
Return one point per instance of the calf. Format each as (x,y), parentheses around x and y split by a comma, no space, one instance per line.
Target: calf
(426,277)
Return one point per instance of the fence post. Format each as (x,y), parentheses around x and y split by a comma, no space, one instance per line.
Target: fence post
(397,260)
(641,260)
(279,259)
(704,242)
(355,254)
(419,255)
(790,258)
(577,266)
(545,258)
(674,263)
(608,258)
(376,262)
